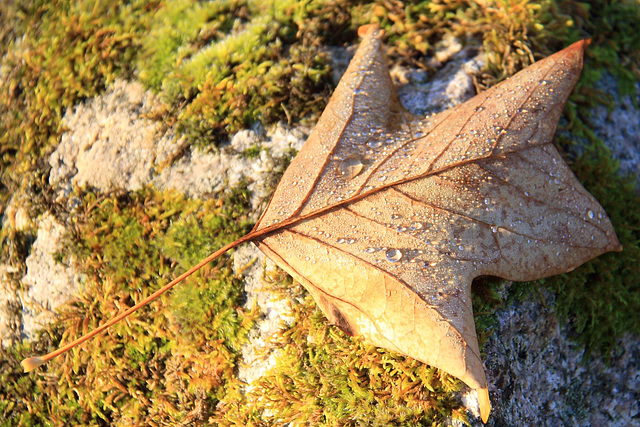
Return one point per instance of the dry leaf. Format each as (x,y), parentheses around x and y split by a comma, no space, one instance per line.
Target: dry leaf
(386,218)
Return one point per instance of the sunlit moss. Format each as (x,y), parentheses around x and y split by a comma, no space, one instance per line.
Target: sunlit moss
(171,358)
(231,64)
(323,377)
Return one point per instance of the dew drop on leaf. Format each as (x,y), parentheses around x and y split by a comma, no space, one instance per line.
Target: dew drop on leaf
(394,255)
(415,226)
(351,167)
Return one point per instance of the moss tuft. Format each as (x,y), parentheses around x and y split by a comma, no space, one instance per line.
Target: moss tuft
(233,63)
(323,377)
(172,360)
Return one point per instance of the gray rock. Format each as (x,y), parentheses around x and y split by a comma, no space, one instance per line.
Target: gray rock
(48,283)
(110,145)
(450,86)
(199,173)
(619,127)
(259,355)
(537,375)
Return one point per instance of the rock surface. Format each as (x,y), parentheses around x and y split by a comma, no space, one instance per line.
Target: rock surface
(48,283)
(619,127)
(537,373)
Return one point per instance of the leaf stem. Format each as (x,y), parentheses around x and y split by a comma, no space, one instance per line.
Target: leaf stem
(32,363)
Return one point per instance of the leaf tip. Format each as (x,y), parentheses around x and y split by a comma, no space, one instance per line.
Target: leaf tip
(32,363)
(484,403)
(580,45)
(364,30)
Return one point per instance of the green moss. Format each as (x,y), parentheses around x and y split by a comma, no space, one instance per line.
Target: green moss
(169,359)
(252,152)
(323,377)
(69,51)
(231,64)
(57,53)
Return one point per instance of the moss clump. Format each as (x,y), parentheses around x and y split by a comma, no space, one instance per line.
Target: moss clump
(615,46)
(323,377)
(56,53)
(172,360)
(67,51)
(233,63)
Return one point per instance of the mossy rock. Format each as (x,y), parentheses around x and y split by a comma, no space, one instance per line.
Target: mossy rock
(220,67)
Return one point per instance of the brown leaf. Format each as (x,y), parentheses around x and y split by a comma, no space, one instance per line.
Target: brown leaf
(386,218)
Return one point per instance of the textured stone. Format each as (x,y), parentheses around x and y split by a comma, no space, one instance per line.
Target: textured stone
(48,283)
(538,375)
(109,145)
(619,127)
(258,356)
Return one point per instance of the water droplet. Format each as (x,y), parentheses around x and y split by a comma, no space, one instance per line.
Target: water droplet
(494,228)
(340,240)
(487,201)
(351,167)
(401,229)
(374,143)
(590,214)
(396,216)
(478,109)
(415,226)
(394,255)
(370,250)
(351,241)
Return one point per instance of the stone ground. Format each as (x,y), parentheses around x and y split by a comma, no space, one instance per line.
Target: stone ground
(537,374)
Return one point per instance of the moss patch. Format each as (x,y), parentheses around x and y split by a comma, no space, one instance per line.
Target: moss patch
(172,361)
(233,63)
(323,377)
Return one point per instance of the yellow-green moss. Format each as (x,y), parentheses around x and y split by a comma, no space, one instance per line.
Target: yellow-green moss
(67,51)
(173,358)
(232,63)
(323,377)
